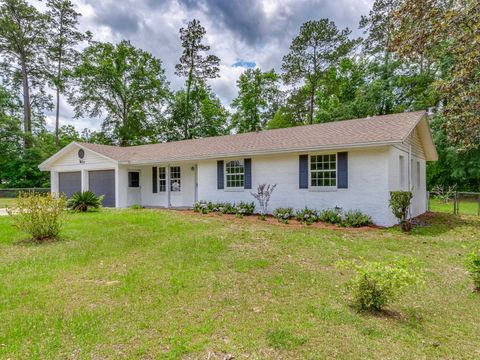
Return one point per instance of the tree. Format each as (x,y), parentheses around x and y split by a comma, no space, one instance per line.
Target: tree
(318,46)
(194,65)
(206,117)
(125,83)
(446,32)
(22,44)
(257,100)
(62,39)
(293,111)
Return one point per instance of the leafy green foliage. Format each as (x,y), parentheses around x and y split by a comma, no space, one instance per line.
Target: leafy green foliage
(126,84)
(355,218)
(307,216)
(376,284)
(332,216)
(82,201)
(400,203)
(258,99)
(245,208)
(39,215)
(316,48)
(473,267)
(283,214)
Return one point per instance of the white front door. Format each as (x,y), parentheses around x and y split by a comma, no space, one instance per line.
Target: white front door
(134,195)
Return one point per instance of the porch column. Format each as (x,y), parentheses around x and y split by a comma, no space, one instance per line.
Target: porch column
(84,183)
(54,182)
(167,180)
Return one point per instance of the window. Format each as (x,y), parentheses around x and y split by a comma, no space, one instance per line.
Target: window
(162,179)
(235,173)
(323,170)
(175,181)
(133,179)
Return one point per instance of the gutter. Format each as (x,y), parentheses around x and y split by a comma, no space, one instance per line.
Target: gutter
(263,152)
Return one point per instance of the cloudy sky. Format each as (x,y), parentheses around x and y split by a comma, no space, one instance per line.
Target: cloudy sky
(240,32)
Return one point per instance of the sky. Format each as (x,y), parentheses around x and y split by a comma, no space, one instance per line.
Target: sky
(242,33)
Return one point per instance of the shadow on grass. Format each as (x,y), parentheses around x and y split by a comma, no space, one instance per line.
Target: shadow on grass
(410,317)
(36,242)
(436,223)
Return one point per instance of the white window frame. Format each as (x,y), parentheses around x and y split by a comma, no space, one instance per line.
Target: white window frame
(171,179)
(233,188)
(128,179)
(160,180)
(327,187)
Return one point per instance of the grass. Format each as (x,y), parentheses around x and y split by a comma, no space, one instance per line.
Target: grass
(5,202)
(466,207)
(163,284)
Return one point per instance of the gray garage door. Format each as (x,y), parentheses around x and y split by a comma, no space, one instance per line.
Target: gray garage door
(102,182)
(69,182)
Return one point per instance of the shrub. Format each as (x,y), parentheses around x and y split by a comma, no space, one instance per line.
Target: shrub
(245,208)
(473,267)
(263,194)
(82,201)
(136,207)
(307,216)
(229,208)
(283,214)
(201,207)
(399,203)
(39,215)
(332,216)
(376,284)
(355,218)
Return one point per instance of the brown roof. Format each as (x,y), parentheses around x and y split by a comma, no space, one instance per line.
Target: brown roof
(358,132)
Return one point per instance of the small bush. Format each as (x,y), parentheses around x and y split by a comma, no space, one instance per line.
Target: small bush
(201,207)
(136,207)
(355,218)
(306,215)
(229,208)
(376,284)
(332,216)
(245,208)
(82,201)
(283,214)
(399,203)
(473,267)
(39,215)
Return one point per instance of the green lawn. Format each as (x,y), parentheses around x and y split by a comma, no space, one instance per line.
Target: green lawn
(157,284)
(465,207)
(4,202)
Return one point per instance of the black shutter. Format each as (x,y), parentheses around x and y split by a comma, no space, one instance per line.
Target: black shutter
(248,174)
(303,172)
(220,174)
(342,170)
(154,179)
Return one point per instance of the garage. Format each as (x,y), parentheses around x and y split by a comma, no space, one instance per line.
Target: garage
(102,182)
(69,182)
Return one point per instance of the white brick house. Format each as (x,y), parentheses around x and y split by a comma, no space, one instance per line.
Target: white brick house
(353,164)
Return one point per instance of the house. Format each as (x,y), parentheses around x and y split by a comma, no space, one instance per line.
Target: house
(353,164)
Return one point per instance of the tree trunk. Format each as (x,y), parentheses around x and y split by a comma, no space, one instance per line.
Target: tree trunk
(27,114)
(312,100)
(57,117)
(186,134)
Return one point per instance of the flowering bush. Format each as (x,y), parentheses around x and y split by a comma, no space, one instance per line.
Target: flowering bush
(332,216)
(355,218)
(307,216)
(245,208)
(283,214)
(201,206)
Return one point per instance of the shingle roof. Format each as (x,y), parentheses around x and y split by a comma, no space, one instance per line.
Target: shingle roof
(367,131)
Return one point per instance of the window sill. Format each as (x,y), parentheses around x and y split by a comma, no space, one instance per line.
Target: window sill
(322,189)
(234,189)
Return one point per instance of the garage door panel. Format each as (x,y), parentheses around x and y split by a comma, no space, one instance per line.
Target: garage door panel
(69,182)
(102,182)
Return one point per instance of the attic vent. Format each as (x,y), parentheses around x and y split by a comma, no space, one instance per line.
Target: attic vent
(81,154)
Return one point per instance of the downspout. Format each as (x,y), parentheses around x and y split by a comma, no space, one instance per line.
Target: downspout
(167,180)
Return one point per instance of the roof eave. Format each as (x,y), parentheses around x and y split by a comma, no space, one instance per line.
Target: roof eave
(262,152)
